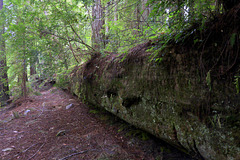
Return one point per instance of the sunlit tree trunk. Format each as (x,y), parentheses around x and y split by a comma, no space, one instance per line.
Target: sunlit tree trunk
(146,11)
(24,79)
(97,25)
(115,10)
(4,96)
(23,74)
(138,19)
(33,60)
(116,42)
(191,11)
(32,66)
(106,17)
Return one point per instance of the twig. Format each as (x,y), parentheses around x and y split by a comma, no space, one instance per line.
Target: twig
(81,41)
(23,151)
(70,46)
(74,154)
(55,35)
(146,21)
(114,5)
(37,151)
(43,106)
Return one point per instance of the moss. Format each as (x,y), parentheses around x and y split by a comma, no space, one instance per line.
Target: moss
(169,101)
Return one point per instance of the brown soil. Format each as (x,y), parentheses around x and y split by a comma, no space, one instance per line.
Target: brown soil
(85,135)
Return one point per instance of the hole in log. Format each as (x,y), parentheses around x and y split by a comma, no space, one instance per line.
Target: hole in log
(112,93)
(128,102)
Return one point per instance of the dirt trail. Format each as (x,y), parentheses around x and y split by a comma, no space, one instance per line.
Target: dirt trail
(50,131)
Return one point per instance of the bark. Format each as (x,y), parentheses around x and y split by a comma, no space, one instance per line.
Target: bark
(138,19)
(228,4)
(97,25)
(191,11)
(146,10)
(33,60)
(4,96)
(106,23)
(24,79)
(115,11)
(181,11)
(33,68)
(145,13)
(24,72)
(106,17)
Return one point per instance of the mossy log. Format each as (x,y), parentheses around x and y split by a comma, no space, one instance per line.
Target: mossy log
(170,99)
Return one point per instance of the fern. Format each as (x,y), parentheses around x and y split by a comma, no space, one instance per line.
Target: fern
(208,80)
(233,39)
(236,82)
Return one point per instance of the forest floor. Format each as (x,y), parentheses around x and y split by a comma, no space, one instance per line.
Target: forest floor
(50,131)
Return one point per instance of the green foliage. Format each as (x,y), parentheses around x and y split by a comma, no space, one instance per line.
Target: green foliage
(177,16)
(37,93)
(158,60)
(122,127)
(216,121)
(16,92)
(15,115)
(94,111)
(63,78)
(50,36)
(236,82)
(28,44)
(208,80)
(138,133)
(233,39)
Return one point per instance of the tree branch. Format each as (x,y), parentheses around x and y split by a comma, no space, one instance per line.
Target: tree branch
(70,46)
(37,151)
(24,151)
(89,47)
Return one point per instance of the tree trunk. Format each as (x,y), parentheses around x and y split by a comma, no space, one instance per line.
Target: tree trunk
(180,10)
(115,10)
(32,68)
(228,4)
(106,17)
(24,72)
(138,19)
(33,60)
(146,11)
(4,89)
(24,79)
(97,25)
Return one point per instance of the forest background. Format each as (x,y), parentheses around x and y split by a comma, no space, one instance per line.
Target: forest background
(42,39)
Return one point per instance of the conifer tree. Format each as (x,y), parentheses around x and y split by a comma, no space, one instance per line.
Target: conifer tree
(3,65)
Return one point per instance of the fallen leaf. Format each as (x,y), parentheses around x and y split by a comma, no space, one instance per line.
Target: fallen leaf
(61,133)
